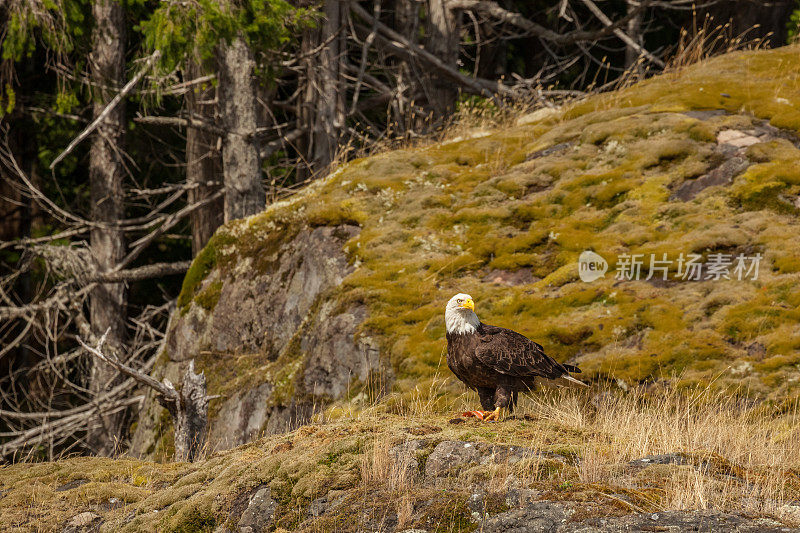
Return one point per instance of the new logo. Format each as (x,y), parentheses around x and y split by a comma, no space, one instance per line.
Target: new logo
(591,266)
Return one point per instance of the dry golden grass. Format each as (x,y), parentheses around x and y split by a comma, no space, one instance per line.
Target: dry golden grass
(735,456)
(741,458)
(727,453)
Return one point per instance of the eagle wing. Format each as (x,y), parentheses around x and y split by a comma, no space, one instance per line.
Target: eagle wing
(508,352)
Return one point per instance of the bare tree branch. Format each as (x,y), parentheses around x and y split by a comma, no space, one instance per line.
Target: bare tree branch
(156,270)
(187,122)
(621,34)
(110,107)
(537,30)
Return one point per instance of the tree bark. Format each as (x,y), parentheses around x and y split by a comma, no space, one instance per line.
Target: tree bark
(244,190)
(189,410)
(106,172)
(443,42)
(770,17)
(203,163)
(409,84)
(634,30)
(188,407)
(322,111)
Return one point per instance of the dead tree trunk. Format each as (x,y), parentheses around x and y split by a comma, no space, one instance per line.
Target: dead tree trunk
(442,41)
(188,407)
(244,190)
(322,112)
(409,83)
(189,411)
(106,172)
(203,165)
(753,19)
(634,31)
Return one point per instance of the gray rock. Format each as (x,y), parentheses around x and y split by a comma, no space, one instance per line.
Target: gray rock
(277,301)
(678,521)
(663,459)
(451,454)
(242,419)
(705,114)
(722,175)
(756,349)
(514,454)
(546,516)
(536,517)
(520,497)
(322,505)
(83,523)
(404,457)
(71,484)
(561,147)
(260,512)
(283,305)
(335,358)
(476,503)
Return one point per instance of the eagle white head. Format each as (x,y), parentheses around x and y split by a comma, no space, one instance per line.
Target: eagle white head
(459,315)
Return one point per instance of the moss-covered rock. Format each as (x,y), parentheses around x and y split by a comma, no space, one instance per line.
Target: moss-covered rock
(258,319)
(644,170)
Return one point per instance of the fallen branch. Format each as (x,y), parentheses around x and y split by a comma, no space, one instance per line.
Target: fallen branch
(69,424)
(537,30)
(621,34)
(169,221)
(273,146)
(402,45)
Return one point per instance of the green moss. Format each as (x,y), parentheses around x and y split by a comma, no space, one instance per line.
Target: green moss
(208,297)
(164,430)
(203,263)
(346,212)
(192,520)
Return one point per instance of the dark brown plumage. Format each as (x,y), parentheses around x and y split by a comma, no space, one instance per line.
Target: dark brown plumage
(497,362)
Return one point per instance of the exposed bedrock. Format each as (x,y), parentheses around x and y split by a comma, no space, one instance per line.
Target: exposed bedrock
(274,341)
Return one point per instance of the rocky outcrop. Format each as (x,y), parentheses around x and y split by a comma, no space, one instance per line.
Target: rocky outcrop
(300,344)
(555,517)
(342,286)
(400,473)
(513,508)
(261,311)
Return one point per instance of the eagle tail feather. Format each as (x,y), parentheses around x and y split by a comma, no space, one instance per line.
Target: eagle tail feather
(567,377)
(572,368)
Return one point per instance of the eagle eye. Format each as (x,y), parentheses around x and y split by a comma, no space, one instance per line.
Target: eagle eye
(459,301)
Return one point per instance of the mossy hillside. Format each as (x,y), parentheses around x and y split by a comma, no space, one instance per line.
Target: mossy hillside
(764,84)
(436,219)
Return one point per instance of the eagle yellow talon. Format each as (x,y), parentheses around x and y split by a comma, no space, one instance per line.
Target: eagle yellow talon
(498,415)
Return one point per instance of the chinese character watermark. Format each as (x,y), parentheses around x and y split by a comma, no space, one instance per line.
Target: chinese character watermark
(685,267)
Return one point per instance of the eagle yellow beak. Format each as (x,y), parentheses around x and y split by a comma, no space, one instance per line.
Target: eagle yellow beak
(468,304)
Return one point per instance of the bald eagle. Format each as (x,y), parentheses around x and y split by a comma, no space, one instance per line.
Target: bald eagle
(496,362)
